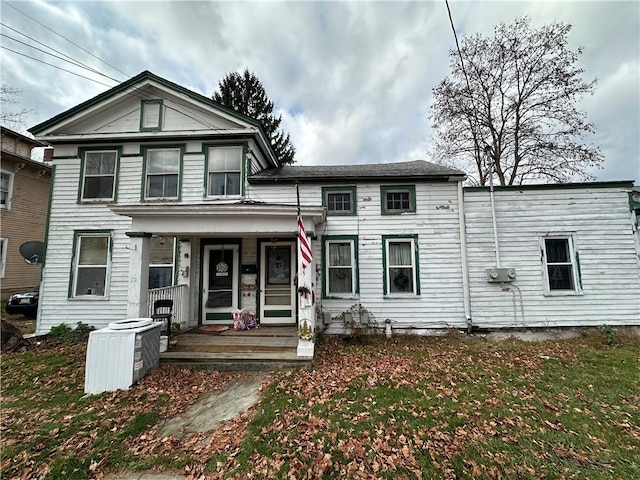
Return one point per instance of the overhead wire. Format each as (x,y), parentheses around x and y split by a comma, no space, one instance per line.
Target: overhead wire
(69,59)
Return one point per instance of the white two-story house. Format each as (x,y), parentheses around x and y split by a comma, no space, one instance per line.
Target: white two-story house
(161,192)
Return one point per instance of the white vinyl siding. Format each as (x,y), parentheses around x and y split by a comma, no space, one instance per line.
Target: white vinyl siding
(595,221)
(99,179)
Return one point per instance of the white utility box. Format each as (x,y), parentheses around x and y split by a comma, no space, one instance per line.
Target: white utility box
(121,354)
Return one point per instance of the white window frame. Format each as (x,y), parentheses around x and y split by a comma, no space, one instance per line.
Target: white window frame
(165,265)
(150,118)
(225,172)
(85,176)
(328,241)
(4,246)
(77,267)
(7,204)
(147,175)
(412,241)
(573,263)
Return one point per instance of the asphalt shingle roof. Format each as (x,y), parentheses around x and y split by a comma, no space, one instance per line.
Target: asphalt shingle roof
(417,169)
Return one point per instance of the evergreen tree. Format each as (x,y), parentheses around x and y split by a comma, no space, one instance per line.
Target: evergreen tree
(244,93)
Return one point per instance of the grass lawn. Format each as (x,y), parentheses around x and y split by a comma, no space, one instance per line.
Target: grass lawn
(409,407)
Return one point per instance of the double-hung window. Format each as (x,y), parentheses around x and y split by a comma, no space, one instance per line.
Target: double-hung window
(163,172)
(400,258)
(91,264)
(397,199)
(225,171)
(6,185)
(161,261)
(341,268)
(560,265)
(99,175)
(339,200)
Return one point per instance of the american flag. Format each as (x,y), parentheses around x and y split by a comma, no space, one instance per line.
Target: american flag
(304,246)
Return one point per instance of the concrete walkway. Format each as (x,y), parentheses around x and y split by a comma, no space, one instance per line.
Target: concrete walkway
(206,414)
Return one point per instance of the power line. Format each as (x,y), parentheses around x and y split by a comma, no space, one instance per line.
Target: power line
(65,38)
(54,66)
(71,59)
(72,62)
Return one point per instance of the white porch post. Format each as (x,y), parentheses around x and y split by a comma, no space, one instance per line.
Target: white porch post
(137,304)
(306,309)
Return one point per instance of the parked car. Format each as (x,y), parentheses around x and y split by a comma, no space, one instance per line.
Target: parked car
(25,303)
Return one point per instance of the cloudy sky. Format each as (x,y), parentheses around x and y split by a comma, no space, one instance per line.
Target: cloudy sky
(352,79)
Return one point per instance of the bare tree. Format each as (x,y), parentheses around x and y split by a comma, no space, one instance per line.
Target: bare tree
(13,119)
(509,107)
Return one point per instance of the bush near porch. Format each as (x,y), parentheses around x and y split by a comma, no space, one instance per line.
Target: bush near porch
(448,407)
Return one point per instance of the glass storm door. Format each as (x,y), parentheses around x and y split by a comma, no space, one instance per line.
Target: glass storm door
(277,292)
(220,283)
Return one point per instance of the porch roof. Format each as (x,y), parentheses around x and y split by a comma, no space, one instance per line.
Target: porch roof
(232,218)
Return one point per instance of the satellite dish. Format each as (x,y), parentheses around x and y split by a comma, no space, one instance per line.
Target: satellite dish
(32,252)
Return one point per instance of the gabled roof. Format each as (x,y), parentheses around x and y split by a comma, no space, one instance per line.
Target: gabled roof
(415,170)
(140,78)
(19,136)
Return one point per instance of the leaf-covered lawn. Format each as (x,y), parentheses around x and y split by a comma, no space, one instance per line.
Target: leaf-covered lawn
(406,408)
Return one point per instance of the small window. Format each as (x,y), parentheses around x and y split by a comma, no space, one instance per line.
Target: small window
(99,175)
(151,115)
(91,264)
(4,243)
(225,171)
(162,172)
(161,262)
(339,200)
(341,266)
(401,266)
(560,265)
(6,186)
(398,199)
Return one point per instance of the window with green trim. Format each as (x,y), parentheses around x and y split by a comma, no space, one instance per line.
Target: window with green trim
(225,171)
(91,264)
(396,199)
(340,261)
(151,115)
(339,200)
(99,175)
(401,274)
(162,172)
(560,265)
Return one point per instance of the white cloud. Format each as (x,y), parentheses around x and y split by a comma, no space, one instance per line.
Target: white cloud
(356,76)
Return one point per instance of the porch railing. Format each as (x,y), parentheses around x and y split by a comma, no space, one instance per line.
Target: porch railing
(177,293)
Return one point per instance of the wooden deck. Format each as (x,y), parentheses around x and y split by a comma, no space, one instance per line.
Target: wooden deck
(264,348)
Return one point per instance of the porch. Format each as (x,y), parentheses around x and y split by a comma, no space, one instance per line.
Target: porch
(263,348)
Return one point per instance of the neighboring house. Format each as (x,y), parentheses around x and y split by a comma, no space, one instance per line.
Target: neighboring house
(572,250)
(162,192)
(24,200)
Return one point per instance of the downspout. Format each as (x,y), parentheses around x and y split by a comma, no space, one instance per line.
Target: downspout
(493,218)
(463,257)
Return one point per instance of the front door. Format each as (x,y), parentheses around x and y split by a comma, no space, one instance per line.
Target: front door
(277,292)
(219,283)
